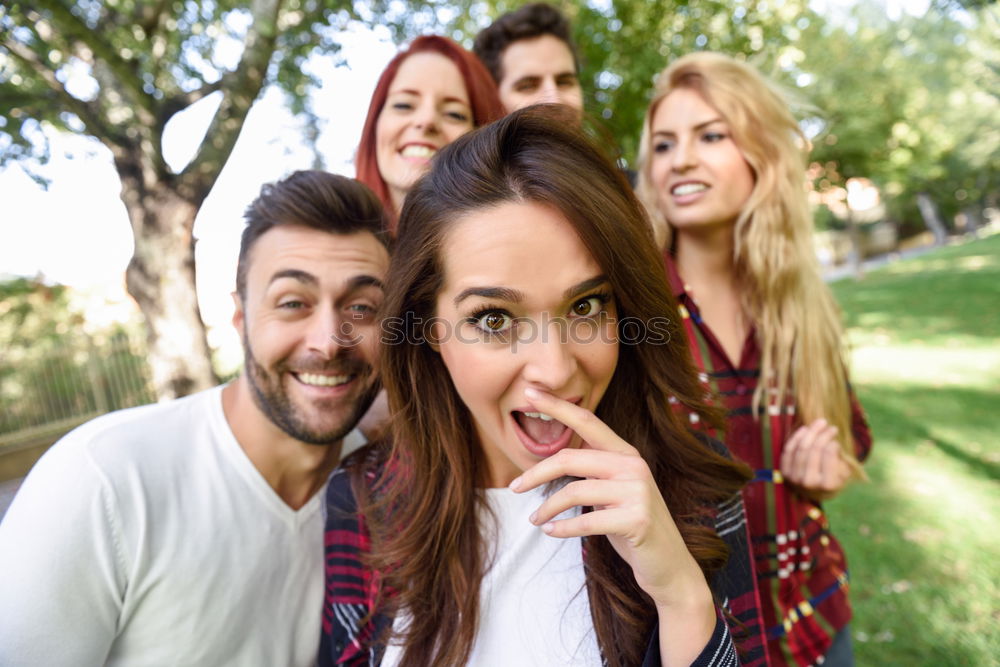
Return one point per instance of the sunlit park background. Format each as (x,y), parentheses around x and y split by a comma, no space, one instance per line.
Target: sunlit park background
(140,129)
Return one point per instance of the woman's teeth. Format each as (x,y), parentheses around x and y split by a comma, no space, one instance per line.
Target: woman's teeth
(538,415)
(418,151)
(688,189)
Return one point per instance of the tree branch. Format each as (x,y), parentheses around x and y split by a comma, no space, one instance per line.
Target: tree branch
(87,112)
(74,28)
(189,98)
(150,17)
(178,103)
(240,89)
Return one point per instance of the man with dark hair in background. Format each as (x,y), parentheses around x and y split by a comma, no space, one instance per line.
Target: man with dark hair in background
(191,532)
(532,58)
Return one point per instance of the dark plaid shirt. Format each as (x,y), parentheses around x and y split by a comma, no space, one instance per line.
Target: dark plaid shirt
(801,568)
(350,621)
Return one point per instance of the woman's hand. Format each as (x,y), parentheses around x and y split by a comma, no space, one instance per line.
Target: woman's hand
(812,460)
(631,512)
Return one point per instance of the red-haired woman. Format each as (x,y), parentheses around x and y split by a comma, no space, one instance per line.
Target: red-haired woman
(429,94)
(537,504)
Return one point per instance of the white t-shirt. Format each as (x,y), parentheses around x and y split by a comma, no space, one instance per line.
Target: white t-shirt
(147,538)
(533,604)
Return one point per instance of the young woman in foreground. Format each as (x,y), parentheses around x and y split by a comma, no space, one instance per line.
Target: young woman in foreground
(538,503)
(722,171)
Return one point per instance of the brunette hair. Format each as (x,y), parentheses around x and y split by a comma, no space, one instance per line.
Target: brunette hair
(796,318)
(483,99)
(425,514)
(310,198)
(527,22)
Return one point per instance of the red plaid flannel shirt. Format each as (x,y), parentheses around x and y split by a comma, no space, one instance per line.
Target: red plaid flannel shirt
(801,568)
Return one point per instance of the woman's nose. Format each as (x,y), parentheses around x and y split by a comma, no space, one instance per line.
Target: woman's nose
(549,360)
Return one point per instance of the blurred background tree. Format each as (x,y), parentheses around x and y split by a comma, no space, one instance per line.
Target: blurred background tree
(912,104)
(118,72)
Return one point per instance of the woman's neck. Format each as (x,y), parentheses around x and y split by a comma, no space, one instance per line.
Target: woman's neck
(705,263)
(706,260)
(397,196)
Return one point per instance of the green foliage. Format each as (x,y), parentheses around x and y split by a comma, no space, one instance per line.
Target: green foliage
(35,314)
(119,70)
(51,370)
(919,537)
(910,103)
(625,48)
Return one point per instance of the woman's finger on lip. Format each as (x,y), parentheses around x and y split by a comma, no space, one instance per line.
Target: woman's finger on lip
(595,433)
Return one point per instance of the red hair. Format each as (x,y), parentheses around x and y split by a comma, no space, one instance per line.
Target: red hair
(479,85)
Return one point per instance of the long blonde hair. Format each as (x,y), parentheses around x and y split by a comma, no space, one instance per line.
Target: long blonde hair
(796,318)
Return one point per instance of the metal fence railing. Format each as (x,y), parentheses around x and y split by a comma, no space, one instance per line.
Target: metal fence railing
(44,395)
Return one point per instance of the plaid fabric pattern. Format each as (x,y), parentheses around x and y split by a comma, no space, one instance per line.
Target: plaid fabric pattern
(353,627)
(801,568)
(735,588)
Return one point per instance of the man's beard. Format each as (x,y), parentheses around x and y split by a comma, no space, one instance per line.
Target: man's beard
(273,400)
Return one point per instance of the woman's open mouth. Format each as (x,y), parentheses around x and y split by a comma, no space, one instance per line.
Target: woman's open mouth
(541,434)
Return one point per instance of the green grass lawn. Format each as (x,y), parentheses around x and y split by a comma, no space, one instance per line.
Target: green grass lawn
(923,537)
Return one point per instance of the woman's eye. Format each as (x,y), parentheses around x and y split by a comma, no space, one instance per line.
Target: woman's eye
(493,322)
(458,115)
(662,146)
(589,307)
(712,137)
(402,106)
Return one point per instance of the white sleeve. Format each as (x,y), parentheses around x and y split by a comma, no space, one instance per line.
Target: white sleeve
(61,569)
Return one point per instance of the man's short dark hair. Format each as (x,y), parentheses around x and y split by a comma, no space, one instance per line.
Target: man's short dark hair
(315,199)
(527,22)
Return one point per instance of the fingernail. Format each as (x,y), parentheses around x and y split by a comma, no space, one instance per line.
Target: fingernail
(531,392)
(548,528)
(534,515)
(515,485)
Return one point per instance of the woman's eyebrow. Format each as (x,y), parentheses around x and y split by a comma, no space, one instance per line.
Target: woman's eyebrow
(502,293)
(588,284)
(696,128)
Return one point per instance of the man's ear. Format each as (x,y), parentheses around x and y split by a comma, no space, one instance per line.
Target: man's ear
(238,316)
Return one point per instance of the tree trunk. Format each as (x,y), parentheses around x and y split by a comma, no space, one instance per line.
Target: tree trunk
(929,212)
(161,278)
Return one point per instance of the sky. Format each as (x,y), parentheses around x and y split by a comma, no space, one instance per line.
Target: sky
(77,233)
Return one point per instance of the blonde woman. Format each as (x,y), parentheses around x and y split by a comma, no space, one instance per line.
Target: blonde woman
(722,172)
